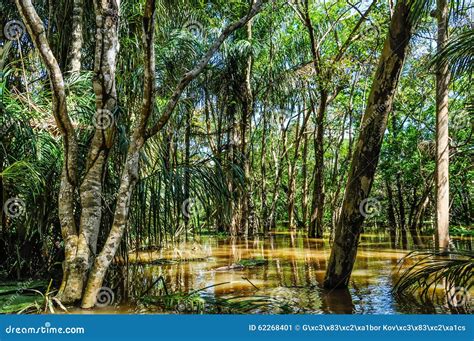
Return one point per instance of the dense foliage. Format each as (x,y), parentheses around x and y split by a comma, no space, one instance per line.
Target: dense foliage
(239,155)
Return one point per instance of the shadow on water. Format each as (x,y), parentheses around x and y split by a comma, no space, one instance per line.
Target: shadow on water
(287,269)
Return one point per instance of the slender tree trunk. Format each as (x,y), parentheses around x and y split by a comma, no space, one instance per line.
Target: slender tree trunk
(304,175)
(442,135)
(401,212)
(263,175)
(187,154)
(77,36)
(391,215)
(66,203)
(278,175)
(316,224)
(247,110)
(292,178)
(367,149)
(292,163)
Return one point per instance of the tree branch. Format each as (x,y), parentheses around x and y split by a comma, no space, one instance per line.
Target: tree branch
(189,76)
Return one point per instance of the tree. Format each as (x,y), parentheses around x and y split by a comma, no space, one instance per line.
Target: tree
(367,150)
(83,268)
(442,133)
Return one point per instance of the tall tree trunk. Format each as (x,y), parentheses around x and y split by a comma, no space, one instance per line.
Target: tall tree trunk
(247,110)
(77,36)
(316,224)
(401,212)
(271,221)
(299,134)
(187,154)
(304,175)
(442,136)
(105,61)
(391,215)
(367,149)
(66,203)
(263,175)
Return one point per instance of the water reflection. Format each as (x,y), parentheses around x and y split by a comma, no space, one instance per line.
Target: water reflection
(291,273)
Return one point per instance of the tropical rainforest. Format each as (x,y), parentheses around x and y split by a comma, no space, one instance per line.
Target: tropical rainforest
(238,156)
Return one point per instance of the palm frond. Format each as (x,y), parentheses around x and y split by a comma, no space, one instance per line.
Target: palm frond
(427,270)
(458,53)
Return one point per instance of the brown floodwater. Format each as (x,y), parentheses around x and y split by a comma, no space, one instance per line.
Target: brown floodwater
(290,275)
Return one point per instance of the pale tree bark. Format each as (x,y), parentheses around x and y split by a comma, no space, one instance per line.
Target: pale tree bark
(278,161)
(367,149)
(304,175)
(68,183)
(247,111)
(442,136)
(299,135)
(80,244)
(106,51)
(77,36)
(392,222)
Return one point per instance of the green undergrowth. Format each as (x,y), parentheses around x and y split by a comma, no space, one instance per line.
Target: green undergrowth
(17,297)
(248,263)
(462,231)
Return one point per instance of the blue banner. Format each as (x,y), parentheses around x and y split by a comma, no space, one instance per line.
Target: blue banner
(237,327)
